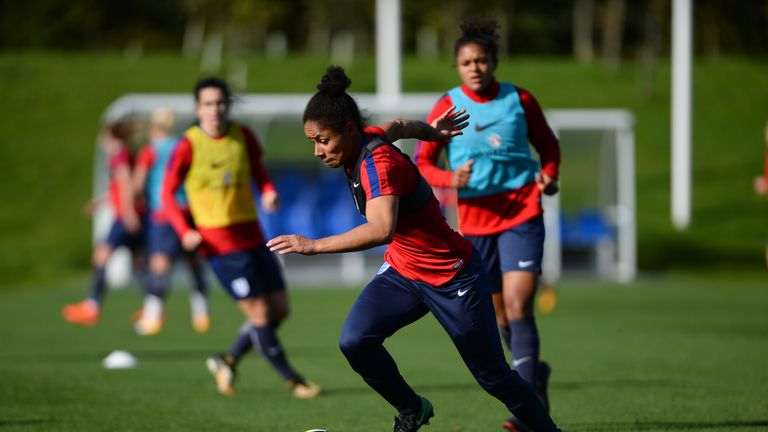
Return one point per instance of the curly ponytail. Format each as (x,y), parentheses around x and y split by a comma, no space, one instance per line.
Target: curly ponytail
(331,106)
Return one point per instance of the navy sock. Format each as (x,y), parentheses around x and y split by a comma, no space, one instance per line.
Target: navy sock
(525,347)
(156,284)
(266,339)
(98,285)
(242,343)
(198,281)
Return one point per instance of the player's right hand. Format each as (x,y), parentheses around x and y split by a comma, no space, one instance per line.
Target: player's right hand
(191,240)
(292,243)
(462,174)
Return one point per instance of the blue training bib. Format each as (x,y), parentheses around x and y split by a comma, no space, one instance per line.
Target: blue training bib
(163,149)
(497,141)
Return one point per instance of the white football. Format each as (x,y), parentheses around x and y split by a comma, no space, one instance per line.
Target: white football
(119,360)
(316,430)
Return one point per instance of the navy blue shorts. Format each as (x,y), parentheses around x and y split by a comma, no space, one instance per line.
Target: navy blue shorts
(119,236)
(162,238)
(520,248)
(250,273)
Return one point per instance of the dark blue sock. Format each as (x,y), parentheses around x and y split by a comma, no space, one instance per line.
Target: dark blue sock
(198,280)
(156,284)
(525,347)
(242,343)
(98,285)
(266,339)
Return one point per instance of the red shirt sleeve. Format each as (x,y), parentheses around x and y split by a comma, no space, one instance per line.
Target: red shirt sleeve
(540,135)
(427,152)
(176,172)
(375,130)
(122,157)
(146,157)
(386,172)
(376,171)
(255,154)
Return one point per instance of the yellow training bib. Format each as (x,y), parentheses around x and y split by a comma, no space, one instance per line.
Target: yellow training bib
(218,183)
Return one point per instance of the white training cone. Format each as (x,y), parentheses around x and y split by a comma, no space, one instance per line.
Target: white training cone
(119,360)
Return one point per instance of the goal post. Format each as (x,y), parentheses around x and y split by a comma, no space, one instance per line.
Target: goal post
(598,161)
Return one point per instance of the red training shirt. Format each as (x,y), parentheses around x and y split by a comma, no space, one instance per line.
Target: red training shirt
(424,247)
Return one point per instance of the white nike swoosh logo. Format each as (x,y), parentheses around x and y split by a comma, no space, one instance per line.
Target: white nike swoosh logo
(355,184)
(517,363)
(524,264)
(461,292)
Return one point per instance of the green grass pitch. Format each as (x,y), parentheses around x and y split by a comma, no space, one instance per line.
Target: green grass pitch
(662,354)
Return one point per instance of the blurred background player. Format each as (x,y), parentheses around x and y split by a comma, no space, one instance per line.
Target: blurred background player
(428,266)
(499,187)
(163,244)
(126,229)
(761,182)
(216,162)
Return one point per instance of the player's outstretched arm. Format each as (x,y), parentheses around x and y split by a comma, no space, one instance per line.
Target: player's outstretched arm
(443,127)
(381,213)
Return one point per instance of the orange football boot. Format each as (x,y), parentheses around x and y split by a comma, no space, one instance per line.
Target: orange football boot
(85,313)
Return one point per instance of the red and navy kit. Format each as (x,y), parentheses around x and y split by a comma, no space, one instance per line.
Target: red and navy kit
(429,268)
(118,235)
(424,247)
(492,214)
(122,158)
(238,236)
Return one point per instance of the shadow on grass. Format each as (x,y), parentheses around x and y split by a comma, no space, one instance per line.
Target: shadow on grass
(469,386)
(27,422)
(594,383)
(88,357)
(364,389)
(657,425)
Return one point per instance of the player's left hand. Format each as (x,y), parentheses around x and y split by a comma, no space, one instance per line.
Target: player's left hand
(270,201)
(131,222)
(547,185)
(292,243)
(449,124)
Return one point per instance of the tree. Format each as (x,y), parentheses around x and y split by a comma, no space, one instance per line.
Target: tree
(613,28)
(583,23)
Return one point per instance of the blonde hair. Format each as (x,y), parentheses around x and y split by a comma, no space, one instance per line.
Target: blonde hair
(163,119)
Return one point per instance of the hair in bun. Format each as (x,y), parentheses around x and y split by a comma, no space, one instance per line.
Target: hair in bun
(335,82)
(331,106)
